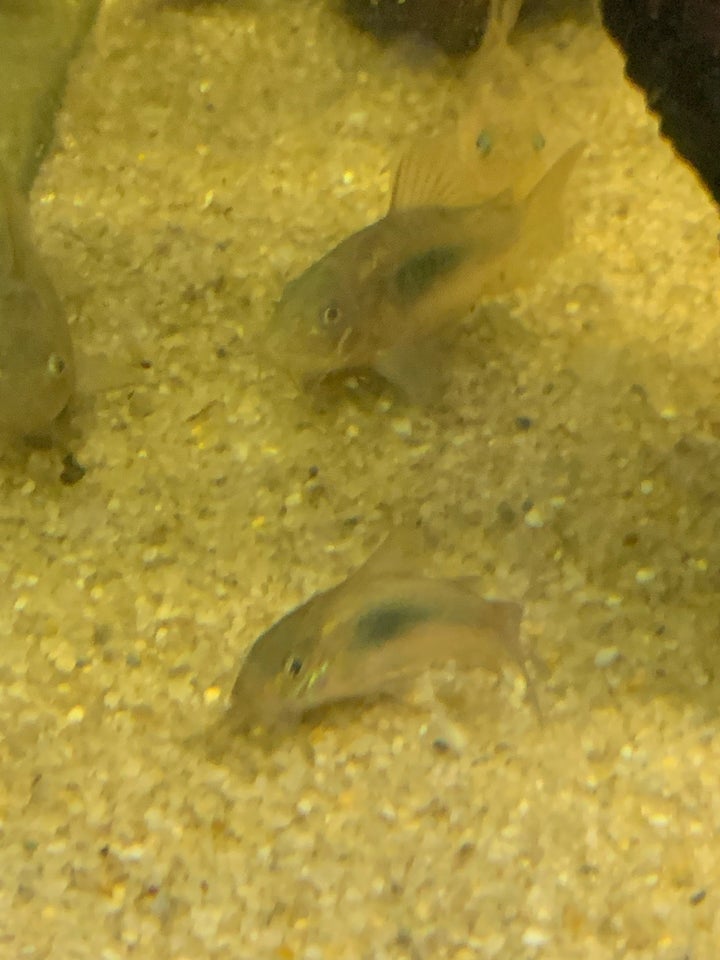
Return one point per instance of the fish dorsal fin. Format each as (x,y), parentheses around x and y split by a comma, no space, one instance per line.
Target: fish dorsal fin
(430,174)
(502,16)
(434,174)
(400,552)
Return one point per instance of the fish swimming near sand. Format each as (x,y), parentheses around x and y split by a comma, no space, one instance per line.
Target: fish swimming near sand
(37,365)
(448,243)
(378,629)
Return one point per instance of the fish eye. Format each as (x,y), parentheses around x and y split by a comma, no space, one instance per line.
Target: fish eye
(293,666)
(330,315)
(55,365)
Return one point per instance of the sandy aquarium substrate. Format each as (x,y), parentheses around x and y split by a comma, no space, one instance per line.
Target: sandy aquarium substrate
(204,156)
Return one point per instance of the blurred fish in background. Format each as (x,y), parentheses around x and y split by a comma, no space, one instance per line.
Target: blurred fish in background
(37,364)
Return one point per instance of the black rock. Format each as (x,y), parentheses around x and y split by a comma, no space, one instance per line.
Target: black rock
(672,51)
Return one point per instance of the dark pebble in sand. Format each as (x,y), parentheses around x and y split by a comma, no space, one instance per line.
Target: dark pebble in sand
(72,471)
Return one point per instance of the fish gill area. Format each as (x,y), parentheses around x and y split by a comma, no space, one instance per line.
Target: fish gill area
(204,155)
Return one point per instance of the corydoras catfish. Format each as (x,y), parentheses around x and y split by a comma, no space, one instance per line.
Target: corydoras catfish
(381,627)
(468,221)
(37,366)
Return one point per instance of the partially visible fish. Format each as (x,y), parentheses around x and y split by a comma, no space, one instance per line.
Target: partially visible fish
(461,229)
(385,624)
(37,366)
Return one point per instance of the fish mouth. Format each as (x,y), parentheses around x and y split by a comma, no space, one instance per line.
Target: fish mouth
(254,706)
(306,362)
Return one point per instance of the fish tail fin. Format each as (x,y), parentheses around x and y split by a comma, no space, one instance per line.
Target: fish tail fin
(502,17)
(543,205)
(542,228)
(553,182)
(514,618)
(508,618)
(494,51)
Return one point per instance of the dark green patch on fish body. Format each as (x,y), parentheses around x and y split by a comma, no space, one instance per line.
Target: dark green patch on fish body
(380,624)
(389,285)
(418,273)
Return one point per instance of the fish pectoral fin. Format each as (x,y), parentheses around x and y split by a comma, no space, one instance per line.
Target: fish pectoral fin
(415,371)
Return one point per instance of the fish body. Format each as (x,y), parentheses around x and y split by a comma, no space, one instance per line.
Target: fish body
(368,635)
(391,286)
(475,213)
(386,286)
(37,366)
